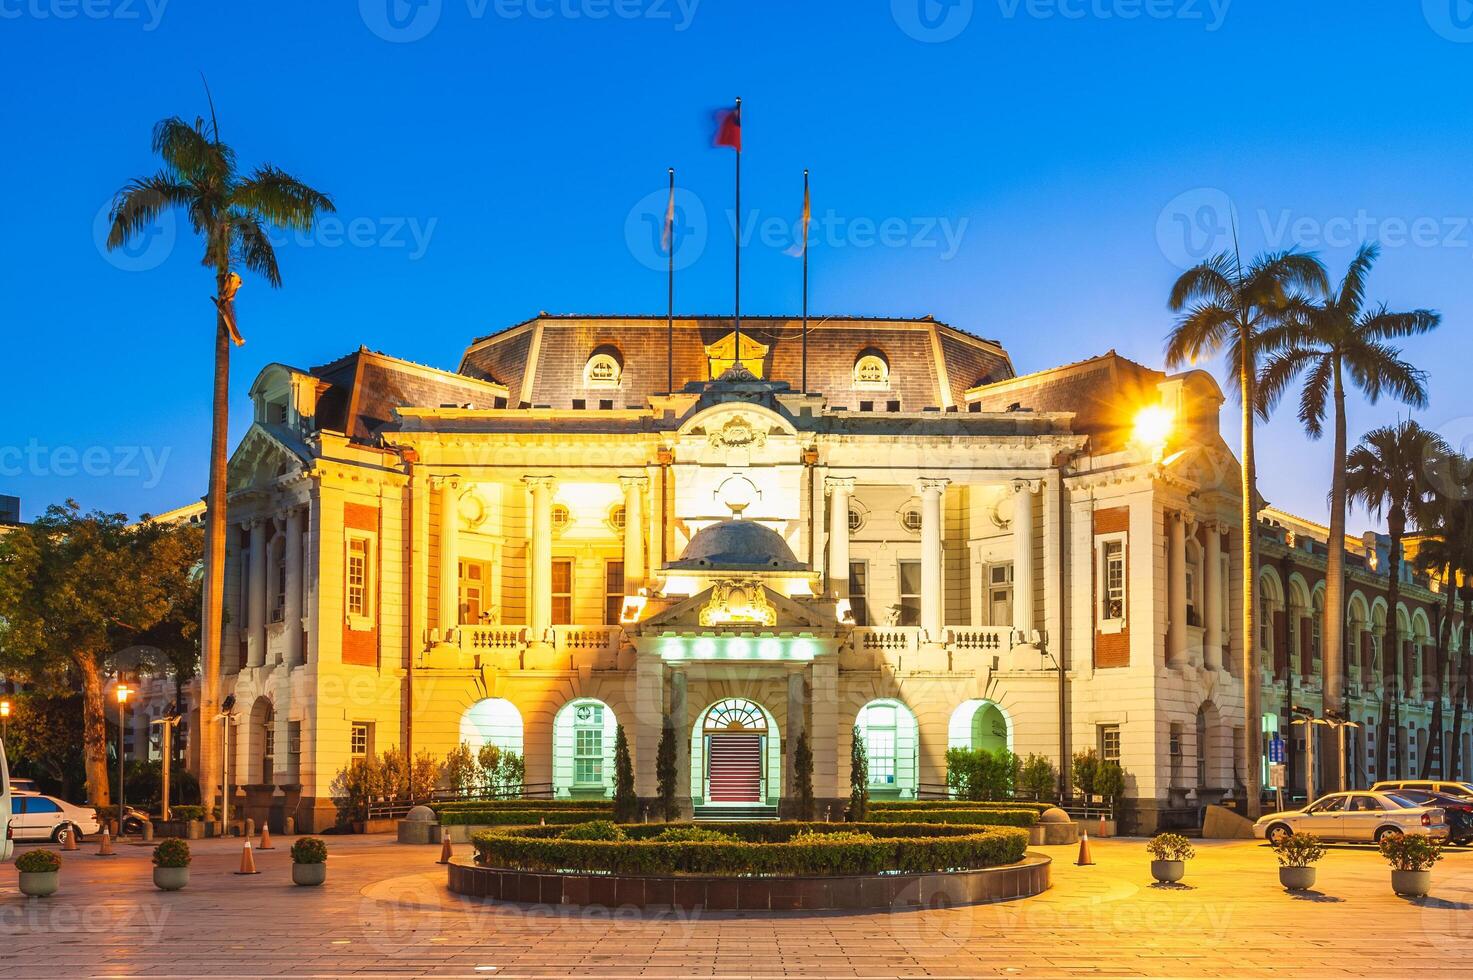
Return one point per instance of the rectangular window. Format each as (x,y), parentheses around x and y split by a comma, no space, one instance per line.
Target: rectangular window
(294,749)
(475,592)
(1110,577)
(998,588)
(268,752)
(278,594)
(880,746)
(613,592)
(859,591)
(588,745)
(358,582)
(562,591)
(1110,743)
(360,738)
(910,593)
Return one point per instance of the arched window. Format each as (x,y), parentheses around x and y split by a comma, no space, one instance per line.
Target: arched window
(888,729)
(583,735)
(604,369)
(872,371)
(496,722)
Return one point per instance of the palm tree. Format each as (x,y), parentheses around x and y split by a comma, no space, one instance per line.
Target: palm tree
(1388,474)
(1226,307)
(232,212)
(1334,339)
(1446,554)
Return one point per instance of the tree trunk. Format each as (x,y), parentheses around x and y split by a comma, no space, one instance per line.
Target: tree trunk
(94,730)
(1332,643)
(214,588)
(1390,676)
(1252,760)
(1439,684)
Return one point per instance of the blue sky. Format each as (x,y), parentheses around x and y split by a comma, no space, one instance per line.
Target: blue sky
(1031,170)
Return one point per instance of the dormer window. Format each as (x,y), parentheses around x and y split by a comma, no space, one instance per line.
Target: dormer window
(872,371)
(604,369)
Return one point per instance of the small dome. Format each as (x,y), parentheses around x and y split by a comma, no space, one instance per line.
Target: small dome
(421,814)
(738,544)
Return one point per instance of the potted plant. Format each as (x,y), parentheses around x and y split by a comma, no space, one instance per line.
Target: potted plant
(1411,857)
(1297,854)
(309,861)
(1169,854)
(171,864)
(40,873)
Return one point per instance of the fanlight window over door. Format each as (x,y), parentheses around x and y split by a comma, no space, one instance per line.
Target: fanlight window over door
(735,714)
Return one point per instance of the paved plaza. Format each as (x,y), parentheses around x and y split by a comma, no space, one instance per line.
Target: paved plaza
(385,912)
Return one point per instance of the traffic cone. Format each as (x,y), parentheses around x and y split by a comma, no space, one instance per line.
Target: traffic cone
(265,844)
(105,847)
(1102,833)
(70,843)
(444,849)
(1084,858)
(247,861)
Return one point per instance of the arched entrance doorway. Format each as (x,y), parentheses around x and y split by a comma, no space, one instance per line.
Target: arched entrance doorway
(583,735)
(496,722)
(735,755)
(979,724)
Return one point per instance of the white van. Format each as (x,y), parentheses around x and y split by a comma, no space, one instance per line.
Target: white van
(6,841)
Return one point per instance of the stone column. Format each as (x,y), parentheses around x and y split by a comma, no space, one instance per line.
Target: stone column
(932,599)
(292,613)
(539,592)
(633,532)
(1212,598)
(449,558)
(256,651)
(1176,590)
(680,721)
(839,490)
(830,773)
(649,718)
(1023,491)
(797,723)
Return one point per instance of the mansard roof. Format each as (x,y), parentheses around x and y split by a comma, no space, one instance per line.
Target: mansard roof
(362,390)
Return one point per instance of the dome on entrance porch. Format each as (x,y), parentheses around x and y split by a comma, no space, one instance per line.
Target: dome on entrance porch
(740,545)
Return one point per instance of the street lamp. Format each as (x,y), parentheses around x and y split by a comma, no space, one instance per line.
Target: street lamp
(1337,723)
(166,723)
(123,692)
(226,715)
(4,721)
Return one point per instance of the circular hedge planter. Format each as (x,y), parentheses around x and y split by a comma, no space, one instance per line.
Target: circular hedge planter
(769,867)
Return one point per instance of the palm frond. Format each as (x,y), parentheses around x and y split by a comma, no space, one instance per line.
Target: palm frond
(1353,285)
(1199,334)
(1377,369)
(1212,282)
(281,199)
(1382,325)
(253,249)
(190,153)
(1314,399)
(140,203)
(1281,368)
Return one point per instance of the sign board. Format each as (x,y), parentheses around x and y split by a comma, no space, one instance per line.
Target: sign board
(1276,778)
(1276,749)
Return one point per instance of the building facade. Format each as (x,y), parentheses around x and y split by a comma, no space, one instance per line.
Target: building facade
(877,531)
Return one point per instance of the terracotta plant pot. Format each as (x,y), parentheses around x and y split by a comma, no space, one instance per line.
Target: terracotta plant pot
(1296,879)
(39,884)
(1413,884)
(170,879)
(309,874)
(1168,872)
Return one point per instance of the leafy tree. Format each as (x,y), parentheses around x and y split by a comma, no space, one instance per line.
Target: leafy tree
(1337,340)
(356,786)
(626,804)
(77,588)
(45,741)
(665,770)
(1086,769)
(1388,474)
(858,779)
(977,774)
(803,778)
(1446,554)
(462,773)
(1038,778)
(1110,781)
(489,760)
(1225,306)
(233,212)
(511,773)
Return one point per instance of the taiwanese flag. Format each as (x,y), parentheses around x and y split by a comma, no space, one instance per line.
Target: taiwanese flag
(729,127)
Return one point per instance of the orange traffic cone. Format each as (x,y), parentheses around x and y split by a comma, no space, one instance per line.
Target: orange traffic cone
(105,847)
(444,849)
(1084,858)
(69,842)
(1102,826)
(265,844)
(247,861)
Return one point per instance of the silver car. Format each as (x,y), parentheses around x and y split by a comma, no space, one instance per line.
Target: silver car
(1362,816)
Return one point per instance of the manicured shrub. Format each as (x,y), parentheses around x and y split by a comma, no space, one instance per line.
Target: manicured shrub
(693,835)
(1411,852)
(626,804)
(1170,847)
(977,774)
(772,848)
(188,812)
(976,816)
(600,830)
(171,852)
(451,806)
(38,862)
(858,779)
(462,772)
(1110,781)
(1298,850)
(309,850)
(666,773)
(521,818)
(803,778)
(1038,778)
(919,807)
(1086,766)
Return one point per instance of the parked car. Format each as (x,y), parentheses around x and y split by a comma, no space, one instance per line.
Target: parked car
(1445,787)
(36,816)
(1457,811)
(6,816)
(1362,816)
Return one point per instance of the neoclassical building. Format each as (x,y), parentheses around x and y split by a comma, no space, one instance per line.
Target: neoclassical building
(596,522)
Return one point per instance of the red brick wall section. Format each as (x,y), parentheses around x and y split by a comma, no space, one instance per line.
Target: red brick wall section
(1306,646)
(361,646)
(1112,649)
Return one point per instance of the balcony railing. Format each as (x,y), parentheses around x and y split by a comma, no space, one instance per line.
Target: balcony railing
(888,639)
(492,639)
(980,639)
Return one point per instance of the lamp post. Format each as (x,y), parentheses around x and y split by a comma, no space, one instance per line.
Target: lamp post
(1337,723)
(123,692)
(226,715)
(166,723)
(4,721)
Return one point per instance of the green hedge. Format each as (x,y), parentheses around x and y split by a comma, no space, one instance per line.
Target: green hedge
(914,805)
(975,818)
(521,818)
(769,848)
(454,805)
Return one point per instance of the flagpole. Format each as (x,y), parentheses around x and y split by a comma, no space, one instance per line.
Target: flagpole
(805,281)
(670,301)
(738,294)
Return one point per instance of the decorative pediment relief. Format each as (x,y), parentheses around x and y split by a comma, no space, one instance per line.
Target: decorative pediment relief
(260,459)
(743,605)
(736,603)
(722,355)
(738,431)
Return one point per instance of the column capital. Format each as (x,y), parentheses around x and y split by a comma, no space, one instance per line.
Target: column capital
(1029,487)
(627,482)
(840,484)
(535,483)
(930,484)
(445,482)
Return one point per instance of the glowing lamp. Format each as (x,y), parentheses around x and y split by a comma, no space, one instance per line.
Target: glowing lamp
(1153,426)
(4,709)
(123,692)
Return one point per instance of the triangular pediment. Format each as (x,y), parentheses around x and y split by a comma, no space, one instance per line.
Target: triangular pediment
(266,453)
(723,354)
